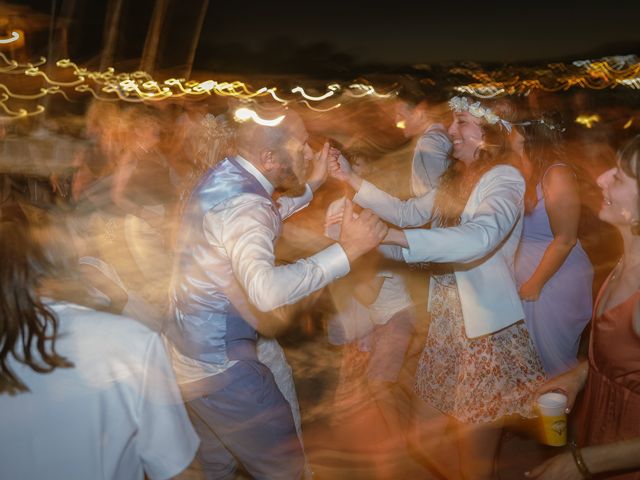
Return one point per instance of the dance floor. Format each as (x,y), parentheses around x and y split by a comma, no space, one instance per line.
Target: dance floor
(345,434)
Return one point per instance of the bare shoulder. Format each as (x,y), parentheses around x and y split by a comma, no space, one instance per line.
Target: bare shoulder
(558,173)
(560,181)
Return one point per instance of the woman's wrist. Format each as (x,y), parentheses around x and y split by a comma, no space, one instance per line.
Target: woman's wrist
(581,465)
(535,282)
(355,181)
(396,237)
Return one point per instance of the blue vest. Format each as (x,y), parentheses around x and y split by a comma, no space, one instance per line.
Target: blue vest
(205,325)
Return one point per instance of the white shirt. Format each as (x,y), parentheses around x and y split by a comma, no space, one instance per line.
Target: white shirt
(117,414)
(246,240)
(242,232)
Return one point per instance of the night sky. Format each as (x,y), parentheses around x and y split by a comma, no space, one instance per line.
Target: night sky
(442,31)
(272,34)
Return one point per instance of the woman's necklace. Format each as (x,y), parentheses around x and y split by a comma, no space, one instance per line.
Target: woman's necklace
(627,269)
(614,289)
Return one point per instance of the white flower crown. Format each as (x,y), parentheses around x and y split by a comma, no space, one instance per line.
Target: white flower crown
(461,104)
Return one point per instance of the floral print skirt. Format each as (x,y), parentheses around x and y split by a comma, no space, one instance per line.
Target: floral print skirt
(475,380)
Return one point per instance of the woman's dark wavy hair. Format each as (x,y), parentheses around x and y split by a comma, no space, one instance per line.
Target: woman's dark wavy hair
(457,182)
(629,161)
(544,146)
(28,328)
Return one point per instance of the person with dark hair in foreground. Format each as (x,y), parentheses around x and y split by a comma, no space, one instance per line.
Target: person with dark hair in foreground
(83,393)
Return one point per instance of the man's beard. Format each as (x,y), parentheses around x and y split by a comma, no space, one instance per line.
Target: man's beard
(290,185)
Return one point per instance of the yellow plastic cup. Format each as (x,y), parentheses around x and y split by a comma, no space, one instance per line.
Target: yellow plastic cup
(551,407)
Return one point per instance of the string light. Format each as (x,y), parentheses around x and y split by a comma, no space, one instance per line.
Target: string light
(272,92)
(14,37)
(587,120)
(318,109)
(309,97)
(21,113)
(368,90)
(139,86)
(243,114)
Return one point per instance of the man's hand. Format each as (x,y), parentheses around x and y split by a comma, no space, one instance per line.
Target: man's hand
(362,234)
(320,166)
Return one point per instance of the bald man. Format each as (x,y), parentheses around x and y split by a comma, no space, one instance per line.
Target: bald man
(227,290)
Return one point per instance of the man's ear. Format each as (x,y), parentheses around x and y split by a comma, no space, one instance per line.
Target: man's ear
(423,108)
(267,159)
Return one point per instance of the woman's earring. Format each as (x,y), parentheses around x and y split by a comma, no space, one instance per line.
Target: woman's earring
(635,227)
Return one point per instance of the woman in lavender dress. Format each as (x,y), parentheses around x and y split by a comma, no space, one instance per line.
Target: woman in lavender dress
(553,272)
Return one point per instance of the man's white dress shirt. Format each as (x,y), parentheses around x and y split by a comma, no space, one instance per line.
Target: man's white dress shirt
(242,232)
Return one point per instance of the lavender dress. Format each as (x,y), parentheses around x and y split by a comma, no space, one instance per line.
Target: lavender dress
(556,320)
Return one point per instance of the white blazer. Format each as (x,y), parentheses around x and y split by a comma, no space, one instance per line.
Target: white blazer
(482,247)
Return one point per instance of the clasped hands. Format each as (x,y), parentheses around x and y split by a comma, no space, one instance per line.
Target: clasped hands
(340,169)
(357,234)
(321,163)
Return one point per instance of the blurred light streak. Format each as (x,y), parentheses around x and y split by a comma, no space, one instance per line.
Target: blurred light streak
(272,92)
(631,82)
(481,91)
(316,109)
(369,90)
(174,82)
(204,87)
(34,96)
(15,36)
(587,120)
(87,88)
(21,113)
(366,89)
(139,86)
(243,114)
(34,71)
(13,65)
(309,97)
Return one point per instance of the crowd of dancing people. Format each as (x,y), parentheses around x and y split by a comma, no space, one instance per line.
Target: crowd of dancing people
(140,305)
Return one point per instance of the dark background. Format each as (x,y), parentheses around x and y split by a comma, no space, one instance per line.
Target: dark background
(311,37)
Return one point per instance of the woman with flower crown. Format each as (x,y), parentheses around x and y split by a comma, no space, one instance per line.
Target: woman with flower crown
(478,365)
